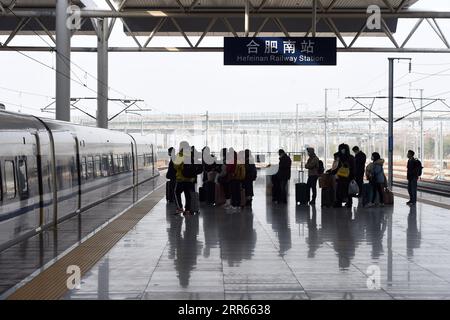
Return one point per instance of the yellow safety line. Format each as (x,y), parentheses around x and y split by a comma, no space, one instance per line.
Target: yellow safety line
(51,284)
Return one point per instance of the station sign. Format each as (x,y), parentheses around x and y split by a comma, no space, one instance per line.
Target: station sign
(272,51)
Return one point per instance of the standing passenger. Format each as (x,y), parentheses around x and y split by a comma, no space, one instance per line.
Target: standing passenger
(313,173)
(250,176)
(376,178)
(183,184)
(171,175)
(360,166)
(236,178)
(344,174)
(414,172)
(282,176)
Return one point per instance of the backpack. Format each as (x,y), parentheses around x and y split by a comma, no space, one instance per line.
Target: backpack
(321,168)
(378,174)
(189,170)
(419,167)
(239,173)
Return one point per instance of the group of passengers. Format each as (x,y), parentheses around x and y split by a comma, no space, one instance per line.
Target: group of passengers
(227,181)
(346,171)
(349,170)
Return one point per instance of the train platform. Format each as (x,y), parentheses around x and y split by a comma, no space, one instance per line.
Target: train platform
(268,252)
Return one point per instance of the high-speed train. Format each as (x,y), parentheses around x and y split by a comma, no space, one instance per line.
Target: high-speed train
(51,170)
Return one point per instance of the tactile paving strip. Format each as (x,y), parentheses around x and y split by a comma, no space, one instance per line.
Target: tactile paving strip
(51,284)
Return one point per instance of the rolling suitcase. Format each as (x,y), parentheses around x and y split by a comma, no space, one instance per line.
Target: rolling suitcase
(170,192)
(388,197)
(202,194)
(328,197)
(210,192)
(243,198)
(301,191)
(195,202)
(219,197)
(367,193)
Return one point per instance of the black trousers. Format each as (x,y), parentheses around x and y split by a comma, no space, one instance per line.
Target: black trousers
(342,191)
(312,185)
(377,187)
(279,192)
(235,186)
(359,181)
(185,187)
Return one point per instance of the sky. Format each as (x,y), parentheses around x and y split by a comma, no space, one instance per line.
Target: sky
(198,82)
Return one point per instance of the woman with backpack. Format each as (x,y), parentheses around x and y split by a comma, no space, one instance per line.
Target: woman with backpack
(250,176)
(377,179)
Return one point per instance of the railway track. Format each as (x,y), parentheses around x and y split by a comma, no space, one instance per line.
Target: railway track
(441,188)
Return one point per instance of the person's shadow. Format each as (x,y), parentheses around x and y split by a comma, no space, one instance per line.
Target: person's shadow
(184,247)
(314,240)
(280,224)
(237,237)
(413,234)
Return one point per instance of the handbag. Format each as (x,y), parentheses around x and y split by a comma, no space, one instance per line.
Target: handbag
(388,197)
(353,188)
(343,172)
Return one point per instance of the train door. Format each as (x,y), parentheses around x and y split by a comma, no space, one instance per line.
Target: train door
(77,174)
(40,179)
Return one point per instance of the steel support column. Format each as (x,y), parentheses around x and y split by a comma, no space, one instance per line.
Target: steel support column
(391,124)
(247,18)
(62,62)
(421,144)
(314,17)
(102,74)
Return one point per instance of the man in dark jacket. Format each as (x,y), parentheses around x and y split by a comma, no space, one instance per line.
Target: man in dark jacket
(171,176)
(414,166)
(282,176)
(360,166)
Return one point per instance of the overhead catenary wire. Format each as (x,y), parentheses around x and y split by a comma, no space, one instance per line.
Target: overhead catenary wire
(67,60)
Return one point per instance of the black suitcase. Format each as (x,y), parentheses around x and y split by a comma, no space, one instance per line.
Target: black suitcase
(301,191)
(210,192)
(170,192)
(202,194)
(328,197)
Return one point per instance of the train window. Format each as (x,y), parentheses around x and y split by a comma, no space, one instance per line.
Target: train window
(120,161)
(115,163)
(105,165)
(83,168)
(1,183)
(10,180)
(90,167)
(126,162)
(22,178)
(97,166)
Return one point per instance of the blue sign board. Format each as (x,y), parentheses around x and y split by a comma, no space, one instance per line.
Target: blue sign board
(280,51)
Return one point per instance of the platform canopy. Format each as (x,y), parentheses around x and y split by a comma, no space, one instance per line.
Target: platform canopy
(143,20)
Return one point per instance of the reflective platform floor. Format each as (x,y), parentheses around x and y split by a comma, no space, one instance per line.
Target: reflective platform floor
(278,252)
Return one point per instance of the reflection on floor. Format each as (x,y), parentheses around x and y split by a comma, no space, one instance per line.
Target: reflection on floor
(279,252)
(20,261)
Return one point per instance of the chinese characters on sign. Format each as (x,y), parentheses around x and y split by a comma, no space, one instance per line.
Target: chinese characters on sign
(280,51)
